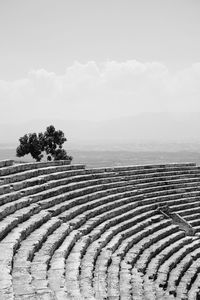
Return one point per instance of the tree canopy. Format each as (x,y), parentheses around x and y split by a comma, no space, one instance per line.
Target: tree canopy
(50,143)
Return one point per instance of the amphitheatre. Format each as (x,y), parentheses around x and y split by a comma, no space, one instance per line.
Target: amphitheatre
(72,232)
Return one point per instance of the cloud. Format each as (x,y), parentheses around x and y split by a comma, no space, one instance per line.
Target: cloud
(100,91)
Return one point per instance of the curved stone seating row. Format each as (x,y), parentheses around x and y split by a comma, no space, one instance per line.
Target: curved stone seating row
(23,202)
(6,163)
(140,254)
(41,170)
(155,230)
(76,233)
(117,239)
(171,266)
(181,269)
(23,185)
(45,193)
(11,168)
(147,288)
(194,292)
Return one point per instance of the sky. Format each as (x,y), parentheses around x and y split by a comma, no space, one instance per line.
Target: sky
(98,59)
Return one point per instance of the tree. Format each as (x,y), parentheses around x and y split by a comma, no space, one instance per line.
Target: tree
(61,154)
(30,143)
(50,142)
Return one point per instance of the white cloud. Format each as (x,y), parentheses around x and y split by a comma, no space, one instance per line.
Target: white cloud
(100,91)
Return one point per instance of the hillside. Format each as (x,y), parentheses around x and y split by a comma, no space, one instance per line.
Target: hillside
(101,158)
(157,127)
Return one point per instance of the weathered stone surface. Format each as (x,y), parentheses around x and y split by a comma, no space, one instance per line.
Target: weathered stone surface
(67,232)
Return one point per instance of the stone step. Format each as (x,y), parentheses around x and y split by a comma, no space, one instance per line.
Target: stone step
(105,203)
(179,172)
(103,227)
(56,272)
(134,250)
(197,230)
(20,167)
(152,250)
(29,173)
(27,202)
(149,249)
(96,215)
(170,198)
(173,260)
(95,186)
(192,202)
(6,163)
(12,241)
(99,214)
(105,256)
(73,264)
(42,180)
(95,203)
(136,284)
(42,259)
(149,290)
(68,200)
(189,276)
(8,223)
(179,271)
(69,176)
(113,287)
(186,213)
(57,195)
(52,283)
(23,202)
(11,196)
(194,223)
(193,293)
(78,169)
(150,166)
(53,185)
(21,276)
(161,257)
(10,208)
(195,214)
(157,242)
(58,187)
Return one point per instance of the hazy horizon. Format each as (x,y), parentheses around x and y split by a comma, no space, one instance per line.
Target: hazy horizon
(157,128)
(104,62)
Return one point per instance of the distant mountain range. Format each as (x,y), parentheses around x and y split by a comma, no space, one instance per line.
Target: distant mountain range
(146,127)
